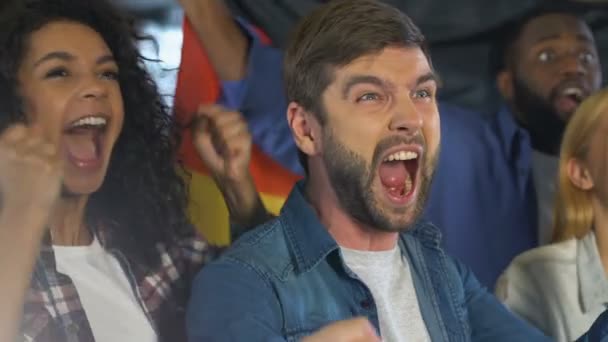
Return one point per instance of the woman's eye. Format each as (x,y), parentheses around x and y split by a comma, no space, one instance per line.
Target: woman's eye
(110,75)
(57,73)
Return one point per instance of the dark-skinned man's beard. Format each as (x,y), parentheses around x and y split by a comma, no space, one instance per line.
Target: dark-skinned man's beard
(351,178)
(538,116)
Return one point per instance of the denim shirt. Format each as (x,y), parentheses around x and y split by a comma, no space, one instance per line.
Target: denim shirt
(286,279)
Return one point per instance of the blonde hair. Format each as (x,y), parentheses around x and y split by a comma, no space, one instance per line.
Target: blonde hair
(573,216)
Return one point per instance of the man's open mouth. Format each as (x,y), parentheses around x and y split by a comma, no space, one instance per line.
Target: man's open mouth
(568,97)
(398,174)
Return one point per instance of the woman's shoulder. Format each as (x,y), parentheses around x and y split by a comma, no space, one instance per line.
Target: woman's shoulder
(553,254)
(536,266)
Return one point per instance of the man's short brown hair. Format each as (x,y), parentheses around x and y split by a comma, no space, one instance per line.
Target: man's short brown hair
(334,35)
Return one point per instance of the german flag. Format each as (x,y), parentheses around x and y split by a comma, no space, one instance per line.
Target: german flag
(197,84)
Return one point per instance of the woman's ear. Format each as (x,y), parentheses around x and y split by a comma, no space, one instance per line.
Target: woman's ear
(579,175)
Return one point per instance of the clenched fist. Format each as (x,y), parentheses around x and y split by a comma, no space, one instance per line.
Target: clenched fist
(223,142)
(30,172)
(30,184)
(353,330)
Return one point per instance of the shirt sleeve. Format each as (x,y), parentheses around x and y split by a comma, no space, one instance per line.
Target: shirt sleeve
(489,319)
(232,302)
(260,96)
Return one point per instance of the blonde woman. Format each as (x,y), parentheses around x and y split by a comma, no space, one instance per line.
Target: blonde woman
(562,288)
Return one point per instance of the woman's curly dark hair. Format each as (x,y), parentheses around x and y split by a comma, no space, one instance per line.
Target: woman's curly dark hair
(143,199)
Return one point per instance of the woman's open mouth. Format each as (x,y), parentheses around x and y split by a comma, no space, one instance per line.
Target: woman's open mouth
(83,141)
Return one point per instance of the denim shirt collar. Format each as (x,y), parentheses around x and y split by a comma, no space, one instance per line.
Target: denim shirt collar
(593,283)
(311,243)
(308,239)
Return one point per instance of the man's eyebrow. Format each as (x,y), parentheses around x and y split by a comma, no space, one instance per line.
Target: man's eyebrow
(431,76)
(359,79)
(369,79)
(580,37)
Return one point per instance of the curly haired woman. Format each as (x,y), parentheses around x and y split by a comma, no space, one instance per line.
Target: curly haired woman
(94,239)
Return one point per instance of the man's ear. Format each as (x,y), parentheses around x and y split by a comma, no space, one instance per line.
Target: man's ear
(303,125)
(504,83)
(579,175)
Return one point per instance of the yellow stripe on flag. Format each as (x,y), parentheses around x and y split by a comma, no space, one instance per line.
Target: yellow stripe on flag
(208,210)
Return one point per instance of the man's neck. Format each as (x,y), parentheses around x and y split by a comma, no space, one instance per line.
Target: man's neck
(67,222)
(341,226)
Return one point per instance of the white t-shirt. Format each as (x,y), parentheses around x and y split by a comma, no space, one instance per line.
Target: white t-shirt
(105,293)
(387,275)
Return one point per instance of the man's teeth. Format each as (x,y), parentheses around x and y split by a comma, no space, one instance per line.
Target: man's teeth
(572,91)
(402,155)
(90,121)
(408,184)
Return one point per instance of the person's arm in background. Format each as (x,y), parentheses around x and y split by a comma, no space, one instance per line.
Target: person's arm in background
(225,44)
(251,75)
(30,184)
(222,140)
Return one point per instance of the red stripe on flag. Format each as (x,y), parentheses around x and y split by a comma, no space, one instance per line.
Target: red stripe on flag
(198,84)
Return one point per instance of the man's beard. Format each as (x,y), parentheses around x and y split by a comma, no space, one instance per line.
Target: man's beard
(539,118)
(351,178)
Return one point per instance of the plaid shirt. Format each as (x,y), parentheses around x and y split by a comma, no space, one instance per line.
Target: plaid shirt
(53,311)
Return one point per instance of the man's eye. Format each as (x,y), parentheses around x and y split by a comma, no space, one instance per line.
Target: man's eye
(368,97)
(421,94)
(587,57)
(546,56)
